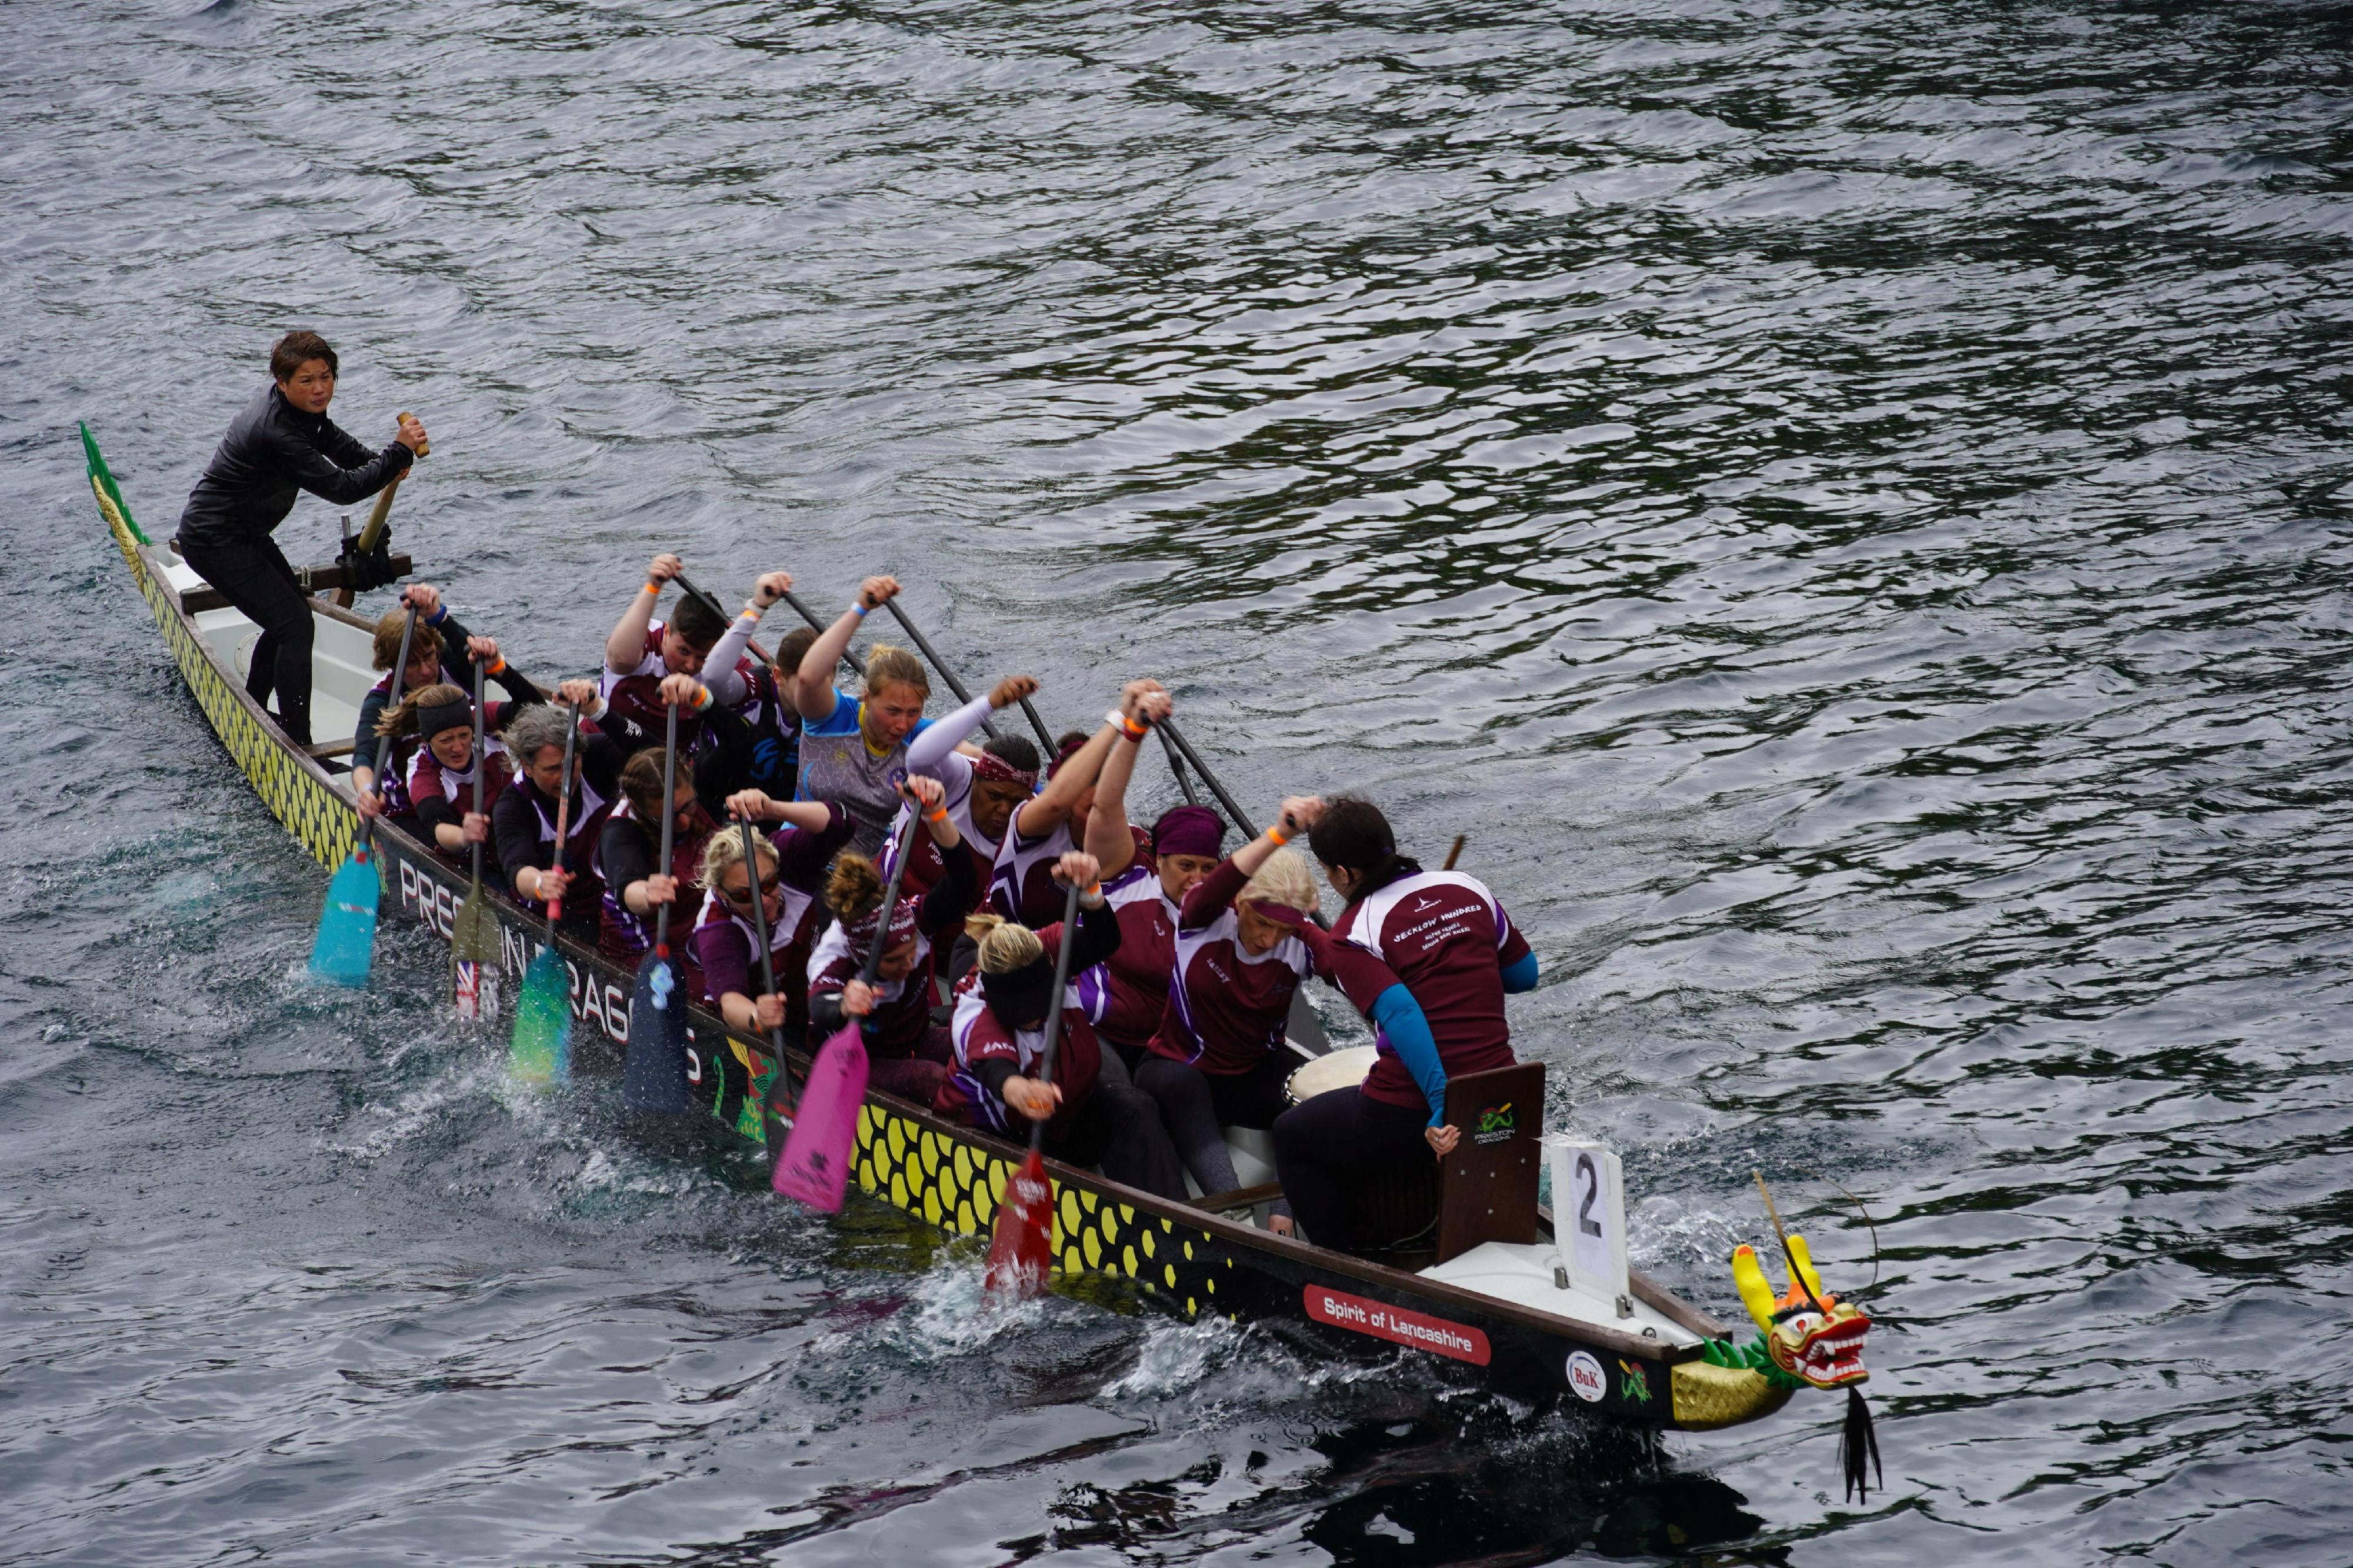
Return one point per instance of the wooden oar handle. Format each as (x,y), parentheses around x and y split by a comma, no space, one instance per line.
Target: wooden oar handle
(423,451)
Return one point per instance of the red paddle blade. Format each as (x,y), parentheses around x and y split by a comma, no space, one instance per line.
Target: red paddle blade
(1023,1246)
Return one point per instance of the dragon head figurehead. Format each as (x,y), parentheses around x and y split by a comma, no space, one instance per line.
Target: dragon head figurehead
(1810,1335)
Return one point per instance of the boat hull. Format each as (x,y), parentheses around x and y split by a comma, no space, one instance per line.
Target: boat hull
(1188,1261)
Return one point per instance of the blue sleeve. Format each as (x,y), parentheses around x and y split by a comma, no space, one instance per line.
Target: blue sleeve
(1399,1017)
(840,721)
(1520,974)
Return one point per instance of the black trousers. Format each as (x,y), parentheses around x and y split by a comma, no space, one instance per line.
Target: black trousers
(1197,1107)
(1119,1128)
(1334,1144)
(252,574)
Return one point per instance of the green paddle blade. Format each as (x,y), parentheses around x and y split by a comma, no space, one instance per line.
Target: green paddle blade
(542,1048)
(474,959)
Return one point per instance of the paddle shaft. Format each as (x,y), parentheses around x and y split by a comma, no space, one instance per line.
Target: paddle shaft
(399,672)
(670,820)
(848,657)
(563,814)
(481,766)
(1456,853)
(1177,769)
(376,522)
(1054,1009)
(1168,728)
(925,643)
(873,964)
(767,958)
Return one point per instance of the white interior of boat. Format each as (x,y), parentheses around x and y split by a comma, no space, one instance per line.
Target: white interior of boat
(1527,1276)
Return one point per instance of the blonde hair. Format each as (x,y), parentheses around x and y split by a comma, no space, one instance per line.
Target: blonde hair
(725,849)
(887,665)
(1284,880)
(1004,946)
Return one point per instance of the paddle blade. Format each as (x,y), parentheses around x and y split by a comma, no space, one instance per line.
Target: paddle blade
(346,941)
(653,1073)
(542,1048)
(474,960)
(1022,1248)
(815,1165)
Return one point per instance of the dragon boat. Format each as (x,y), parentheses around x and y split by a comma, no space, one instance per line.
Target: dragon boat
(1492,1291)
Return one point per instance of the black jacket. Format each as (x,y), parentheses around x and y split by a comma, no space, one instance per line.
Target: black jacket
(272,451)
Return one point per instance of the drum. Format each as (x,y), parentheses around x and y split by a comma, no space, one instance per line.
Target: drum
(1337,1069)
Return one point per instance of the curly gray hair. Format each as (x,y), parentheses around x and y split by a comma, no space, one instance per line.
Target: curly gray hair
(541,724)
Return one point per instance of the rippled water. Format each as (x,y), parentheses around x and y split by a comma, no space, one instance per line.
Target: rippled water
(1845,505)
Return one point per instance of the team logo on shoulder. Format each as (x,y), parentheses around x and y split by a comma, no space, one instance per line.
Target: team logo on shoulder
(1496,1124)
(1586,1378)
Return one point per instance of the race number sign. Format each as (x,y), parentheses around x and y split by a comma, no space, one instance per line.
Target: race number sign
(1589,1216)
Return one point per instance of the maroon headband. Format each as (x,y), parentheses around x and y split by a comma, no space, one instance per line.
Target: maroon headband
(1189,830)
(860,931)
(990,768)
(1077,743)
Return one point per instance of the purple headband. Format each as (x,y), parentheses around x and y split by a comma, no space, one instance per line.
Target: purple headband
(1189,830)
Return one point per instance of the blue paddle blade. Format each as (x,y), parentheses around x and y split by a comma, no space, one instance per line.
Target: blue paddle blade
(653,1073)
(542,1048)
(346,942)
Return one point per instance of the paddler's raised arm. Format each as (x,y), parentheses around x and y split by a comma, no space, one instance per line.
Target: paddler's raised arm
(625,648)
(719,671)
(928,751)
(1142,704)
(813,694)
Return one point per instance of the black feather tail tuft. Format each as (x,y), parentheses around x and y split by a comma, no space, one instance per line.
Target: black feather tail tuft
(1856,1439)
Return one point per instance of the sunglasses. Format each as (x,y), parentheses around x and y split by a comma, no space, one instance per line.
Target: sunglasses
(769,885)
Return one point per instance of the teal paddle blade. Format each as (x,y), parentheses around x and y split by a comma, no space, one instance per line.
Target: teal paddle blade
(542,1048)
(346,942)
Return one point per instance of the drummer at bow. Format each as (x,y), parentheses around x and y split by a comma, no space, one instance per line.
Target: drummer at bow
(1456,955)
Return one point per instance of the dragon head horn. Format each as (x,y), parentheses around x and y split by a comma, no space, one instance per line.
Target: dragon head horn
(1749,1278)
(1802,1258)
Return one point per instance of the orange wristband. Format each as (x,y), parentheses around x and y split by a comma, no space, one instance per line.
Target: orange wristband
(653,587)
(939,815)
(1277,835)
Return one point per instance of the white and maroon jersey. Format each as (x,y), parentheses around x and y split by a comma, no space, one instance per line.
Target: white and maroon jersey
(1021,884)
(978,1038)
(430,779)
(924,865)
(634,696)
(1226,1005)
(902,1008)
(727,950)
(1447,940)
(1136,979)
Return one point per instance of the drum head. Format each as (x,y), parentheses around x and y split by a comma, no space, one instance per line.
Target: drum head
(1340,1069)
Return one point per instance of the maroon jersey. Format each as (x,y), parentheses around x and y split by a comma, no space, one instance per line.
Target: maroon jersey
(727,949)
(978,1037)
(428,780)
(1226,1005)
(636,708)
(1447,940)
(1136,978)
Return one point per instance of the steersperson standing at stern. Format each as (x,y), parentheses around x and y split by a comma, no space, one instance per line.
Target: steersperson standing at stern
(283,443)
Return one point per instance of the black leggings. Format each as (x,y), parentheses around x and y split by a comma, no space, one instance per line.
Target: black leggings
(253,577)
(1118,1128)
(1198,1106)
(1326,1149)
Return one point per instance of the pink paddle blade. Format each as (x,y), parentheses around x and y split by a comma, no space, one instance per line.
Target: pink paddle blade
(815,1166)
(1022,1248)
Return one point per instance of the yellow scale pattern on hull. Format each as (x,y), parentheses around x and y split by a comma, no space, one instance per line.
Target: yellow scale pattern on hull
(958,1187)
